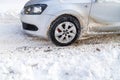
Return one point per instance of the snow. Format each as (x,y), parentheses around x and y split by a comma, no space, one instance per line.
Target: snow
(25,57)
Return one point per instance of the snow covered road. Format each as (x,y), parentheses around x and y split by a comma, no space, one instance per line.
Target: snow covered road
(23,57)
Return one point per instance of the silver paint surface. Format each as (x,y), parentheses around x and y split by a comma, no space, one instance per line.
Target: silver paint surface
(94,15)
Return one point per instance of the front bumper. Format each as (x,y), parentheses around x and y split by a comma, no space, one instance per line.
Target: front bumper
(29,27)
(40,24)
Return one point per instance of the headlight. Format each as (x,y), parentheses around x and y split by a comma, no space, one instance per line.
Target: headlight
(35,9)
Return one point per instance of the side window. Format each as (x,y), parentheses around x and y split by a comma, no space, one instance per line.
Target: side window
(105,1)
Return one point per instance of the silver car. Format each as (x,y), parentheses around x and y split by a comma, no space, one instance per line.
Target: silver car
(64,21)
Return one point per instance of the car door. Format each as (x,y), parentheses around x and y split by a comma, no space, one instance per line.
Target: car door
(106,11)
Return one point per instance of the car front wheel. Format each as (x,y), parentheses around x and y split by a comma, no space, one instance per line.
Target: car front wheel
(64,30)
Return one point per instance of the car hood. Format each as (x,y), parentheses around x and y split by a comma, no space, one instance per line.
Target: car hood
(31,2)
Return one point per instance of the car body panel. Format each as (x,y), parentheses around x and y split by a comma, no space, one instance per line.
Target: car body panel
(104,16)
(93,15)
(30,19)
(106,12)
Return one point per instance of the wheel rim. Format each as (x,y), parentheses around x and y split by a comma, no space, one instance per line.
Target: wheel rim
(65,32)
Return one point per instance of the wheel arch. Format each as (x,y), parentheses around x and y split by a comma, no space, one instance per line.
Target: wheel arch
(73,13)
(67,15)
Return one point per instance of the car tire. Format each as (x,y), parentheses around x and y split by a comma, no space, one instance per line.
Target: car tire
(64,30)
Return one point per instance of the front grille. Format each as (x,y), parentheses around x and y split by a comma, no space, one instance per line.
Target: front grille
(29,27)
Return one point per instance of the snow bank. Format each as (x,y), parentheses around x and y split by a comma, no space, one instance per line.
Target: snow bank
(24,57)
(10,10)
(11,5)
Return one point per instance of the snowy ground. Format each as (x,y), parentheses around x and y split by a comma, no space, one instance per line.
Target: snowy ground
(24,57)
